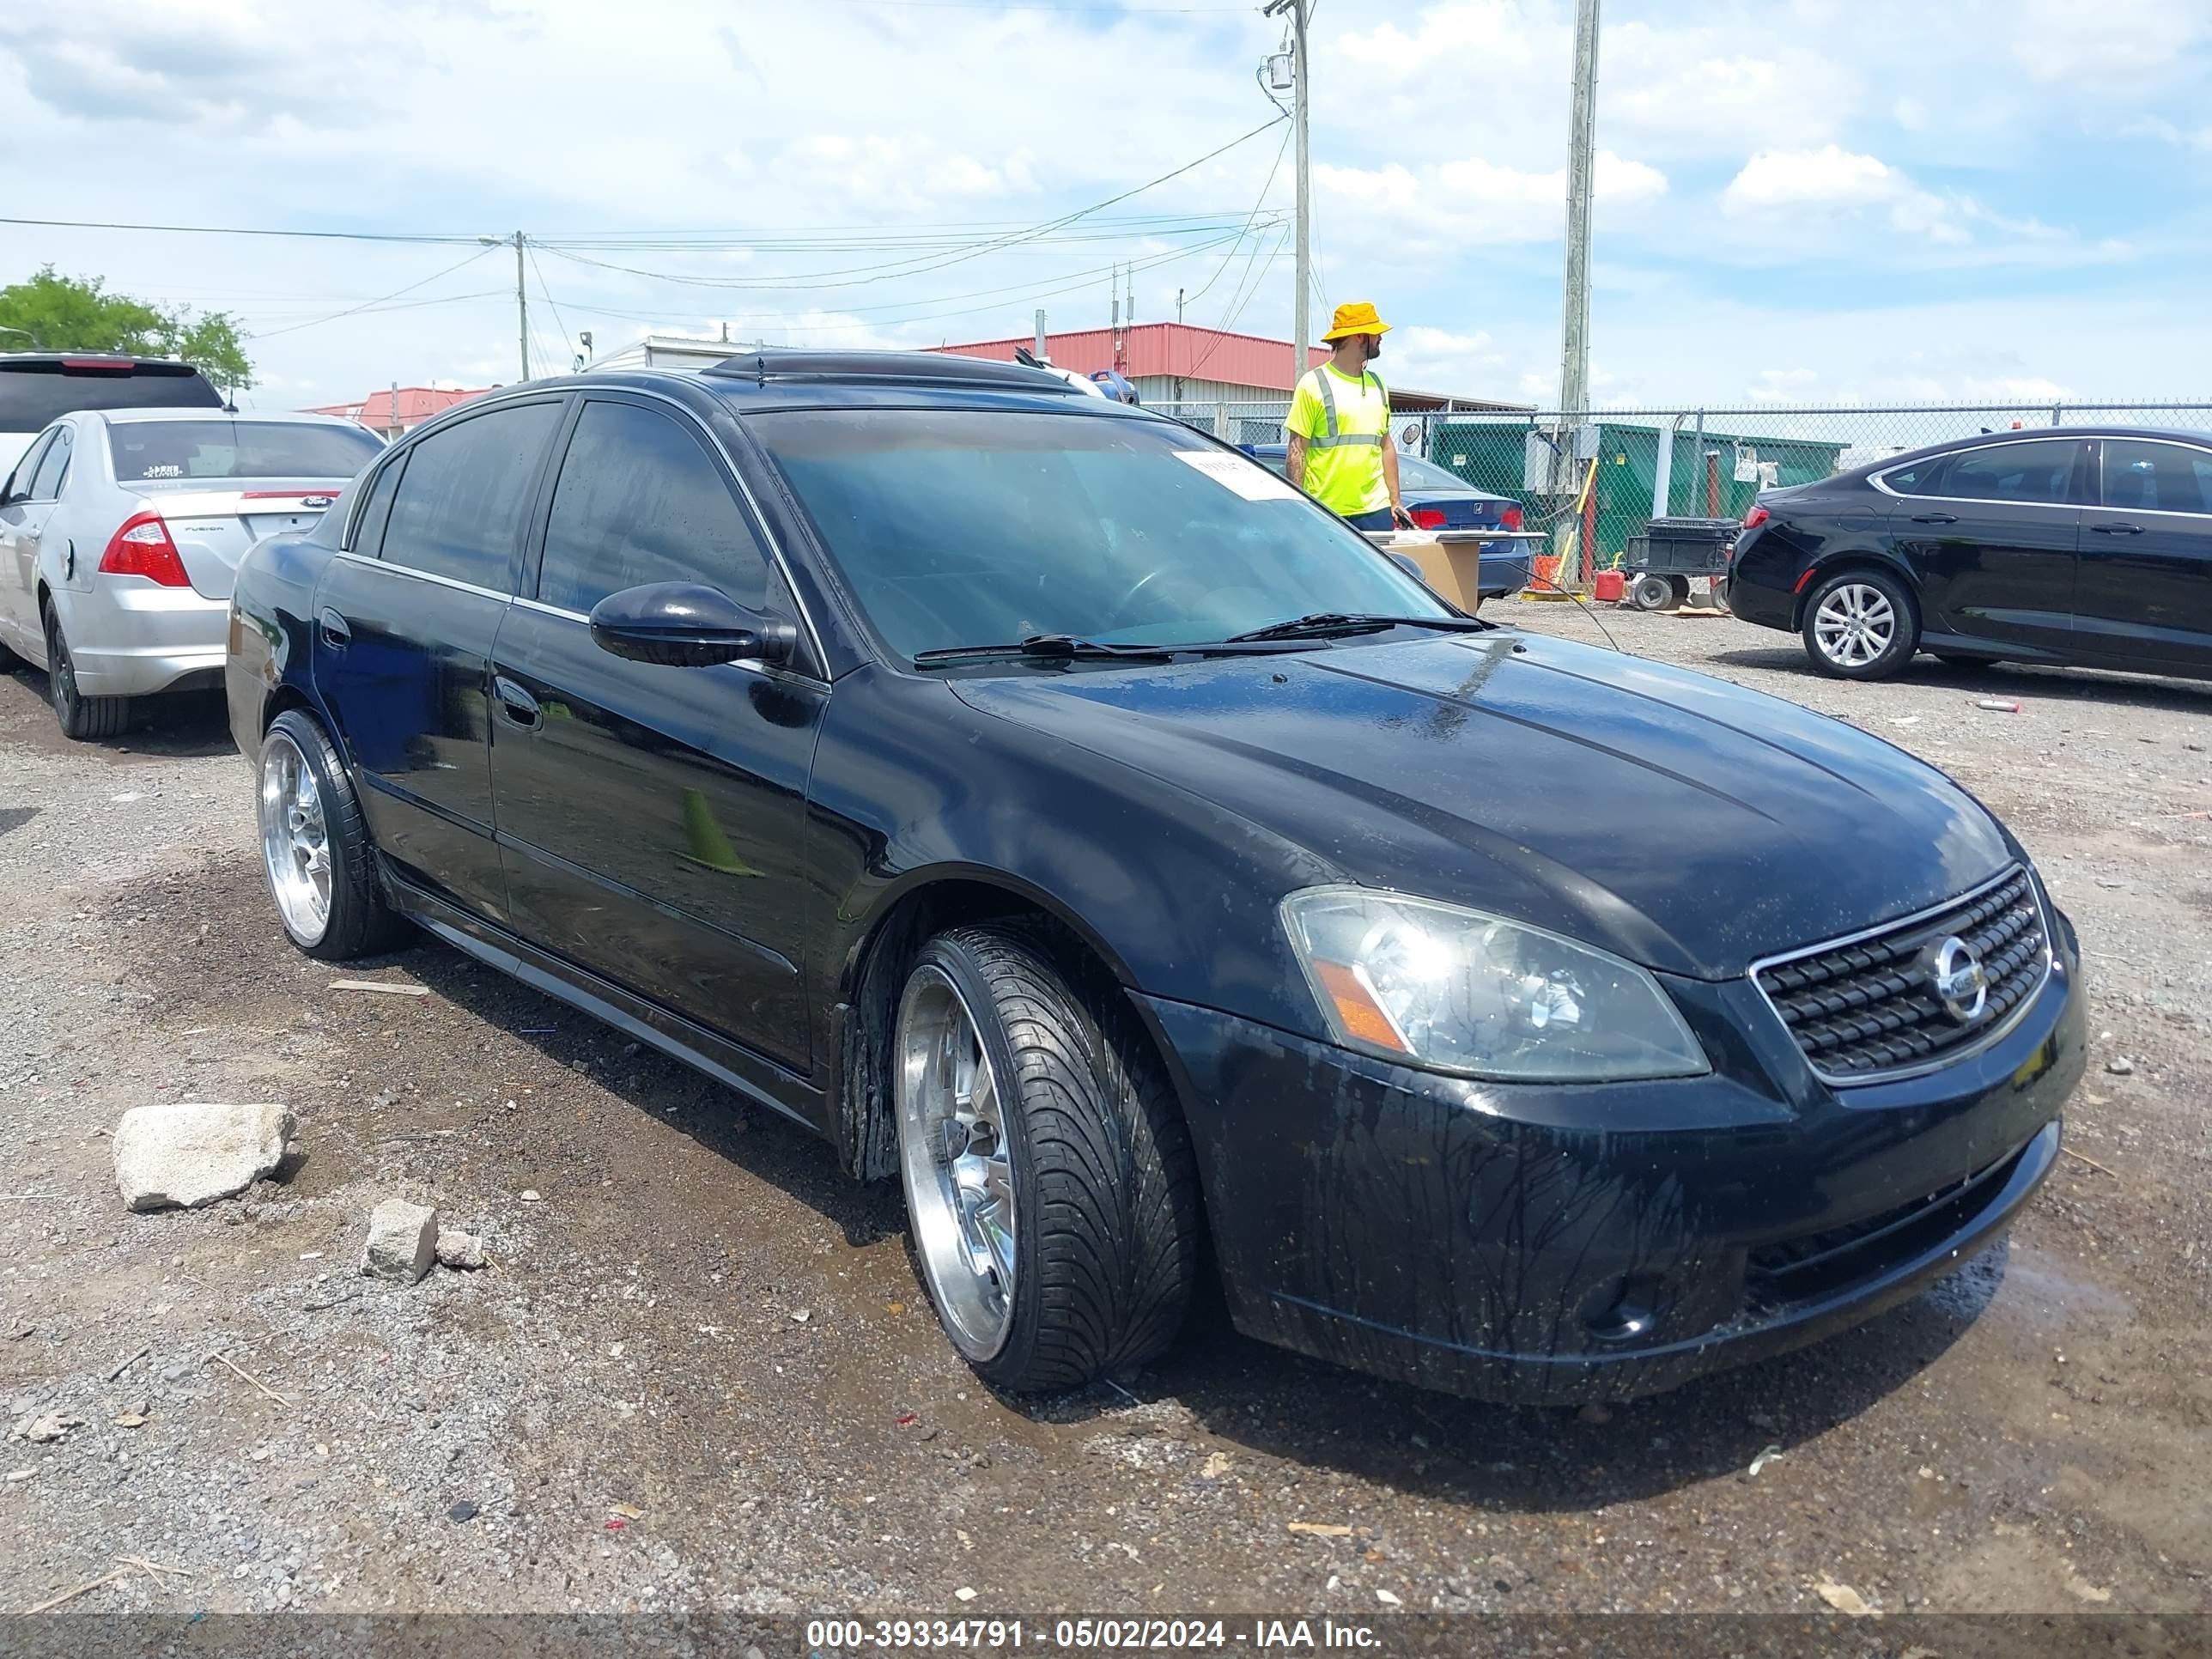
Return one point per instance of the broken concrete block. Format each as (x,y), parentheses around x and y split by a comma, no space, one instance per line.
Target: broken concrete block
(458,1249)
(403,1241)
(193,1153)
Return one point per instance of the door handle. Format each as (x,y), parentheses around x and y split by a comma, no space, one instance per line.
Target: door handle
(517,704)
(2117,529)
(1935,518)
(332,627)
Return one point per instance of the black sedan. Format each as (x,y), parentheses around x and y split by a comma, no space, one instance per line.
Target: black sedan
(1439,499)
(1055,811)
(2081,545)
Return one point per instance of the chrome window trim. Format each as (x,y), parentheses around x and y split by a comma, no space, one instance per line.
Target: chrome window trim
(1880,480)
(399,445)
(453,582)
(1920,1068)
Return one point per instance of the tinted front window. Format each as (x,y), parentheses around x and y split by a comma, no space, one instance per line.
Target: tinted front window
(2155,478)
(47,485)
(2041,471)
(236,449)
(458,512)
(971,527)
(34,392)
(640,500)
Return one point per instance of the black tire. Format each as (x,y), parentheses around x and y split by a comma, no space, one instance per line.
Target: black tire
(1679,585)
(1108,1238)
(86,719)
(360,923)
(1890,659)
(1651,593)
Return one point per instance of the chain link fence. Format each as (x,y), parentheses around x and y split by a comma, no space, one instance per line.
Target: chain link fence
(1639,464)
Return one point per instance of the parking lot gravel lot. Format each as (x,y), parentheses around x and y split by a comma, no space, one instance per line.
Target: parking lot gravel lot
(699,1372)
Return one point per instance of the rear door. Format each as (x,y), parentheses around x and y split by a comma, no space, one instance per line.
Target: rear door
(1992,533)
(2145,588)
(404,621)
(652,818)
(22,517)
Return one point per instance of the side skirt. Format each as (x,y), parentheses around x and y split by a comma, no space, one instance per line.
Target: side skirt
(757,1079)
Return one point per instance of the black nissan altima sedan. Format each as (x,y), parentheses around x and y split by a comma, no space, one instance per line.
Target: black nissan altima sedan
(2090,546)
(1053,809)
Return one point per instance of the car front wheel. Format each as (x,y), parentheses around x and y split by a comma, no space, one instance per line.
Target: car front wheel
(1861,625)
(1050,1186)
(315,848)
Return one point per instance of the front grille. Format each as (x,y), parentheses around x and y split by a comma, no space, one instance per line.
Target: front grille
(1867,1007)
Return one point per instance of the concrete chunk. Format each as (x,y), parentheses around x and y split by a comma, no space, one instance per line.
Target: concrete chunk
(193,1153)
(458,1249)
(403,1241)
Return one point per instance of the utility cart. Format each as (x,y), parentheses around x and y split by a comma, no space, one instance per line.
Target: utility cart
(1661,563)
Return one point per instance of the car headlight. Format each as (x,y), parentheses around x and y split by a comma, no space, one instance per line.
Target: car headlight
(1454,989)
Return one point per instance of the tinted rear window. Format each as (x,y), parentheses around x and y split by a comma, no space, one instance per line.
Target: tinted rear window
(36,391)
(237,449)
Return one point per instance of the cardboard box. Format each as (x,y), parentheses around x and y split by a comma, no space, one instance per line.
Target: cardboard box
(1451,561)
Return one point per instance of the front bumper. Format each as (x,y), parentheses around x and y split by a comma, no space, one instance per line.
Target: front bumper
(133,638)
(1571,1243)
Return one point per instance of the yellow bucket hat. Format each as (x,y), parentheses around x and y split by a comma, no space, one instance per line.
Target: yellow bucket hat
(1358,317)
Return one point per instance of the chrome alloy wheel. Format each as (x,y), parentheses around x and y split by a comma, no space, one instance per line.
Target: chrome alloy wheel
(956,1162)
(1855,624)
(296,841)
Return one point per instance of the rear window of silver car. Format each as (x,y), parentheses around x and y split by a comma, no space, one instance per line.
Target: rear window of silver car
(150,450)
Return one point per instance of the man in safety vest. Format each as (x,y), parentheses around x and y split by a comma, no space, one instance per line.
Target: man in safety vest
(1340,452)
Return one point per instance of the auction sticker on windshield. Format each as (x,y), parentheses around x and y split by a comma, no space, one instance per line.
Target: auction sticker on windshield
(1248,478)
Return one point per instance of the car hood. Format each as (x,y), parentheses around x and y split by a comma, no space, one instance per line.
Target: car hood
(1682,822)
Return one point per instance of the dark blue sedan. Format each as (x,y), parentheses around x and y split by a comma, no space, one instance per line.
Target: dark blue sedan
(1065,818)
(1439,499)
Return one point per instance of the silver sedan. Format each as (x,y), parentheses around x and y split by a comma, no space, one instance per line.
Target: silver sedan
(120,532)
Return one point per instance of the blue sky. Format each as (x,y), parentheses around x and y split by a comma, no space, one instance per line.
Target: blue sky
(1798,199)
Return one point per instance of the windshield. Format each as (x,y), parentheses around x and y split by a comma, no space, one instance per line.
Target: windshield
(237,449)
(959,528)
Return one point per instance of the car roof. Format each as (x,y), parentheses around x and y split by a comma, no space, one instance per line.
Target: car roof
(172,365)
(2026,434)
(285,416)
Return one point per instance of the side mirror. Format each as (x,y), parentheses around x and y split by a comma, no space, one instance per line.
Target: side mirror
(689,625)
(1411,566)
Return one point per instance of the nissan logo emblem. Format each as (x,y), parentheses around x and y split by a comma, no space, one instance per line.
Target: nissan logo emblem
(1962,985)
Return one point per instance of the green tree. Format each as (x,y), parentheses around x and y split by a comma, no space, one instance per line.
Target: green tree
(78,313)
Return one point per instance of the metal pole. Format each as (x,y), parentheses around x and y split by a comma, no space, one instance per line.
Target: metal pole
(521,307)
(1582,127)
(1663,479)
(1301,321)
(1039,351)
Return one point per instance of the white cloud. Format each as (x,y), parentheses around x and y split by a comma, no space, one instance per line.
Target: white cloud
(1833,177)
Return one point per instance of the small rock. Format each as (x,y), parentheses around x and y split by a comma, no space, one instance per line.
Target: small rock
(1844,1599)
(1593,1413)
(529,1195)
(15,1475)
(173,1373)
(54,1426)
(403,1241)
(1216,1466)
(193,1153)
(799,1315)
(2120,1066)
(129,1419)
(1388,1599)
(463,1510)
(965,1594)
(458,1249)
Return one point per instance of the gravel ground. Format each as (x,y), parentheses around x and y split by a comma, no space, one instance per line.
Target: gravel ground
(700,1374)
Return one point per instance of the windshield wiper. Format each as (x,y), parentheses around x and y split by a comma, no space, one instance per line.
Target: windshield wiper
(1048,647)
(1338,622)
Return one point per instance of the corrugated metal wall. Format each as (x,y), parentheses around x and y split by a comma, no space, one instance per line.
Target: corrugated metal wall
(1161,389)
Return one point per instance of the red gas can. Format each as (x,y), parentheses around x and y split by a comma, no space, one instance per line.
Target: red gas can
(1608,587)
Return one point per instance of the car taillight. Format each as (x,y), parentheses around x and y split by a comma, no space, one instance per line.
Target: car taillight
(1427,518)
(1509,518)
(142,548)
(1756,517)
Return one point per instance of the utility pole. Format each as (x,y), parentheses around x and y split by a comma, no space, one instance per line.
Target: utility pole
(1300,12)
(1582,128)
(522,299)
(1042,355)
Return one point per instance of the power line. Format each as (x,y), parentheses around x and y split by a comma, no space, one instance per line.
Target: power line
(560,321)
(866,275)
(1258,202)
(238,230)
(379,310)
(381,300)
